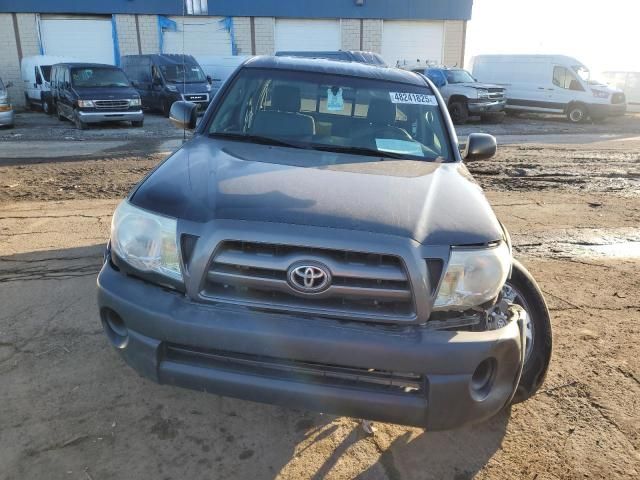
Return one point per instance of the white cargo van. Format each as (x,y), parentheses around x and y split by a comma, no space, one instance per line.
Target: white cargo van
(550,84)
(36,72)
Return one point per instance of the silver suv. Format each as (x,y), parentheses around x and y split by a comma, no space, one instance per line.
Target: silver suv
(465,96)
(319,243)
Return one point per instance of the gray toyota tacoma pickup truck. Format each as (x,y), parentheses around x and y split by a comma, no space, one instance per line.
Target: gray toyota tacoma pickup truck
(320,244)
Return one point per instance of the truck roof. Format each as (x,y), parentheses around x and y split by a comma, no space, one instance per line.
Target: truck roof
(335,67)
(165,58)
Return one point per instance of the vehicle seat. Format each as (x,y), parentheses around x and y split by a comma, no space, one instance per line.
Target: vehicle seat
(381,119)
(284,119)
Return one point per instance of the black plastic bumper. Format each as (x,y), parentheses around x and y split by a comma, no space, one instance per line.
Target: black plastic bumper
(157,320)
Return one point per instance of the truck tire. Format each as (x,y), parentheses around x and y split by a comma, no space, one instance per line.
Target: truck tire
(459,112)
(58,114)
(80,125)
(577,113)
(539,337)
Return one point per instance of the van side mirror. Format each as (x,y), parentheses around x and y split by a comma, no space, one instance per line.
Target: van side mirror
(184,115)
(38,80)
(209,79)
(480,146)
(157,81)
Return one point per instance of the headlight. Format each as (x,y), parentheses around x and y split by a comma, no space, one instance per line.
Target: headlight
(483,93)
(208,87)
(473,277)
(600,93)
(145,241)
(172,88)
(134,102)
(86,103)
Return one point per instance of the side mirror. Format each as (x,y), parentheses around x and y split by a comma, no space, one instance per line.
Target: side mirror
(209,79)
(157,81)
(38,80)
(480,146)
(184,115)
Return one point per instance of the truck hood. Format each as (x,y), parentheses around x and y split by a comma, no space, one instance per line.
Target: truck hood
(432,203)
(478,85)
(116,93)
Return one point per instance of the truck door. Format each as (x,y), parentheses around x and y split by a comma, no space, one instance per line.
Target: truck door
(566,88)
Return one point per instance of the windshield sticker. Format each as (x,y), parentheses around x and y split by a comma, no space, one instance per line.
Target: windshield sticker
(335,102)
(413,98)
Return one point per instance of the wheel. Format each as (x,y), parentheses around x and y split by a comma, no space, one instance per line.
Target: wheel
(523,290)
(166,108)
(459,112)
(577,113)
(492,117)
(45,105)
(80,125)
(137,124)
(58,114)
(27,102)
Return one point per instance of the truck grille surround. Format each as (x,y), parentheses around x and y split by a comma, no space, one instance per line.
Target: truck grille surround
(496,93)
(111,104)
(359,285)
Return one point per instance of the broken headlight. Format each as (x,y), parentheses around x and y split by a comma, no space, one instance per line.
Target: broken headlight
(145,241)
(473,276)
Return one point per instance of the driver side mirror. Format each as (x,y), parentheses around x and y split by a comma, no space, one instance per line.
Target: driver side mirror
(184,115)
(480,146)
(209,79)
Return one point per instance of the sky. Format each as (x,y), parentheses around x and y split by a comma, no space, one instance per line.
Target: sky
(603,34)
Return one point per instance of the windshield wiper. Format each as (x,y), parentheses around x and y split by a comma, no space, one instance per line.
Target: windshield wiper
(256,139)
(370,152)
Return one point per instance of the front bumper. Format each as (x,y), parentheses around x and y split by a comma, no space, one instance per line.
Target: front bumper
(487,107)
(607,109)
(98,117)
(7,118)
(160,323)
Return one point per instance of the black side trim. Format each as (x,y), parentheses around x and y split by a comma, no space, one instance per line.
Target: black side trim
(536,103)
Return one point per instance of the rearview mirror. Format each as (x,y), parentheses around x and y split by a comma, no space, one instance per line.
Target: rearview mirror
(184,115)
(480,146)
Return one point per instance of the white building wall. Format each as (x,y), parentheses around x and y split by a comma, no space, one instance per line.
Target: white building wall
(265,35)
(9,61)
(454,40)
(127,34)
(350,34)
(242,34)
(372,35)
(149,36)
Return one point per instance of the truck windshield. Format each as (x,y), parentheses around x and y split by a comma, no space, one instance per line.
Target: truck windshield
(367,117)
(183,73)
(459,76)
(92,77)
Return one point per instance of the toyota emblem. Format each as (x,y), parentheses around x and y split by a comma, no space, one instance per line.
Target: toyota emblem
(309,278)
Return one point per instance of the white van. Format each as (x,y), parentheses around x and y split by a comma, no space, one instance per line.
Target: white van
(219,68)
(550,84)
(36,73)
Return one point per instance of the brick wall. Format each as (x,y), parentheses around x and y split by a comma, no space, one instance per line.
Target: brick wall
(149,36)
(265,35)
(372,36)
(242,32)
(453,54)
(127,34)
(350,34)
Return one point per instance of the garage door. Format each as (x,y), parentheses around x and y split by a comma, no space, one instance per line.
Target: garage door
(201,35)
(306,35)
(410,41)
(89,39)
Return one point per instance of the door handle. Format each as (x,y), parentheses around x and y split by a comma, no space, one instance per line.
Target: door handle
(541,88)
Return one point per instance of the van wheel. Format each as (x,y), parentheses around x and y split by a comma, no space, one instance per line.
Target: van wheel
(46,106)
(523,290)
(577,113)
(58,114)
(166,108)
(80,125)
(459,113)
(137,124)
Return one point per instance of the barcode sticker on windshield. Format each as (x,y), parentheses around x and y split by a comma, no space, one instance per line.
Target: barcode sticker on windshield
(413,98)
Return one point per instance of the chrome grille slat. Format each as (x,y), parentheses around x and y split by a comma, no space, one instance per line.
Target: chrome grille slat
(111,104)
(363,286)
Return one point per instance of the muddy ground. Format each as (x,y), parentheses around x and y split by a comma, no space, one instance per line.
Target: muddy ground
(70,408)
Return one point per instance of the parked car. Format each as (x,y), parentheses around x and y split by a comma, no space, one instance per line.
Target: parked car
(162,79)
(319,243)
(36,76)
(94,93)
(627,82)
(219,68)
(463,94)
(6,109)
(550,84)
(359,56)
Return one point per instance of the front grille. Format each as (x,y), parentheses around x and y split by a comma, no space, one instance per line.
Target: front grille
(195,98)
(618,98)
(496,93)
(299,371)
(363,285)
(111,104)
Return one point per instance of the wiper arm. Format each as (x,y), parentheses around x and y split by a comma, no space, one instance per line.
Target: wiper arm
(370,152)
(256,139)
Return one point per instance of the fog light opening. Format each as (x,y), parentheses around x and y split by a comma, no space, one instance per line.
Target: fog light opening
(482,379)
(115,328)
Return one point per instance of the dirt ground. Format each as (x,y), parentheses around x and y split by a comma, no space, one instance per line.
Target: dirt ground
(70,408)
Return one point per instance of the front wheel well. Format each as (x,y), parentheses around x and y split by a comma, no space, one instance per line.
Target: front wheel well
(458,98)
